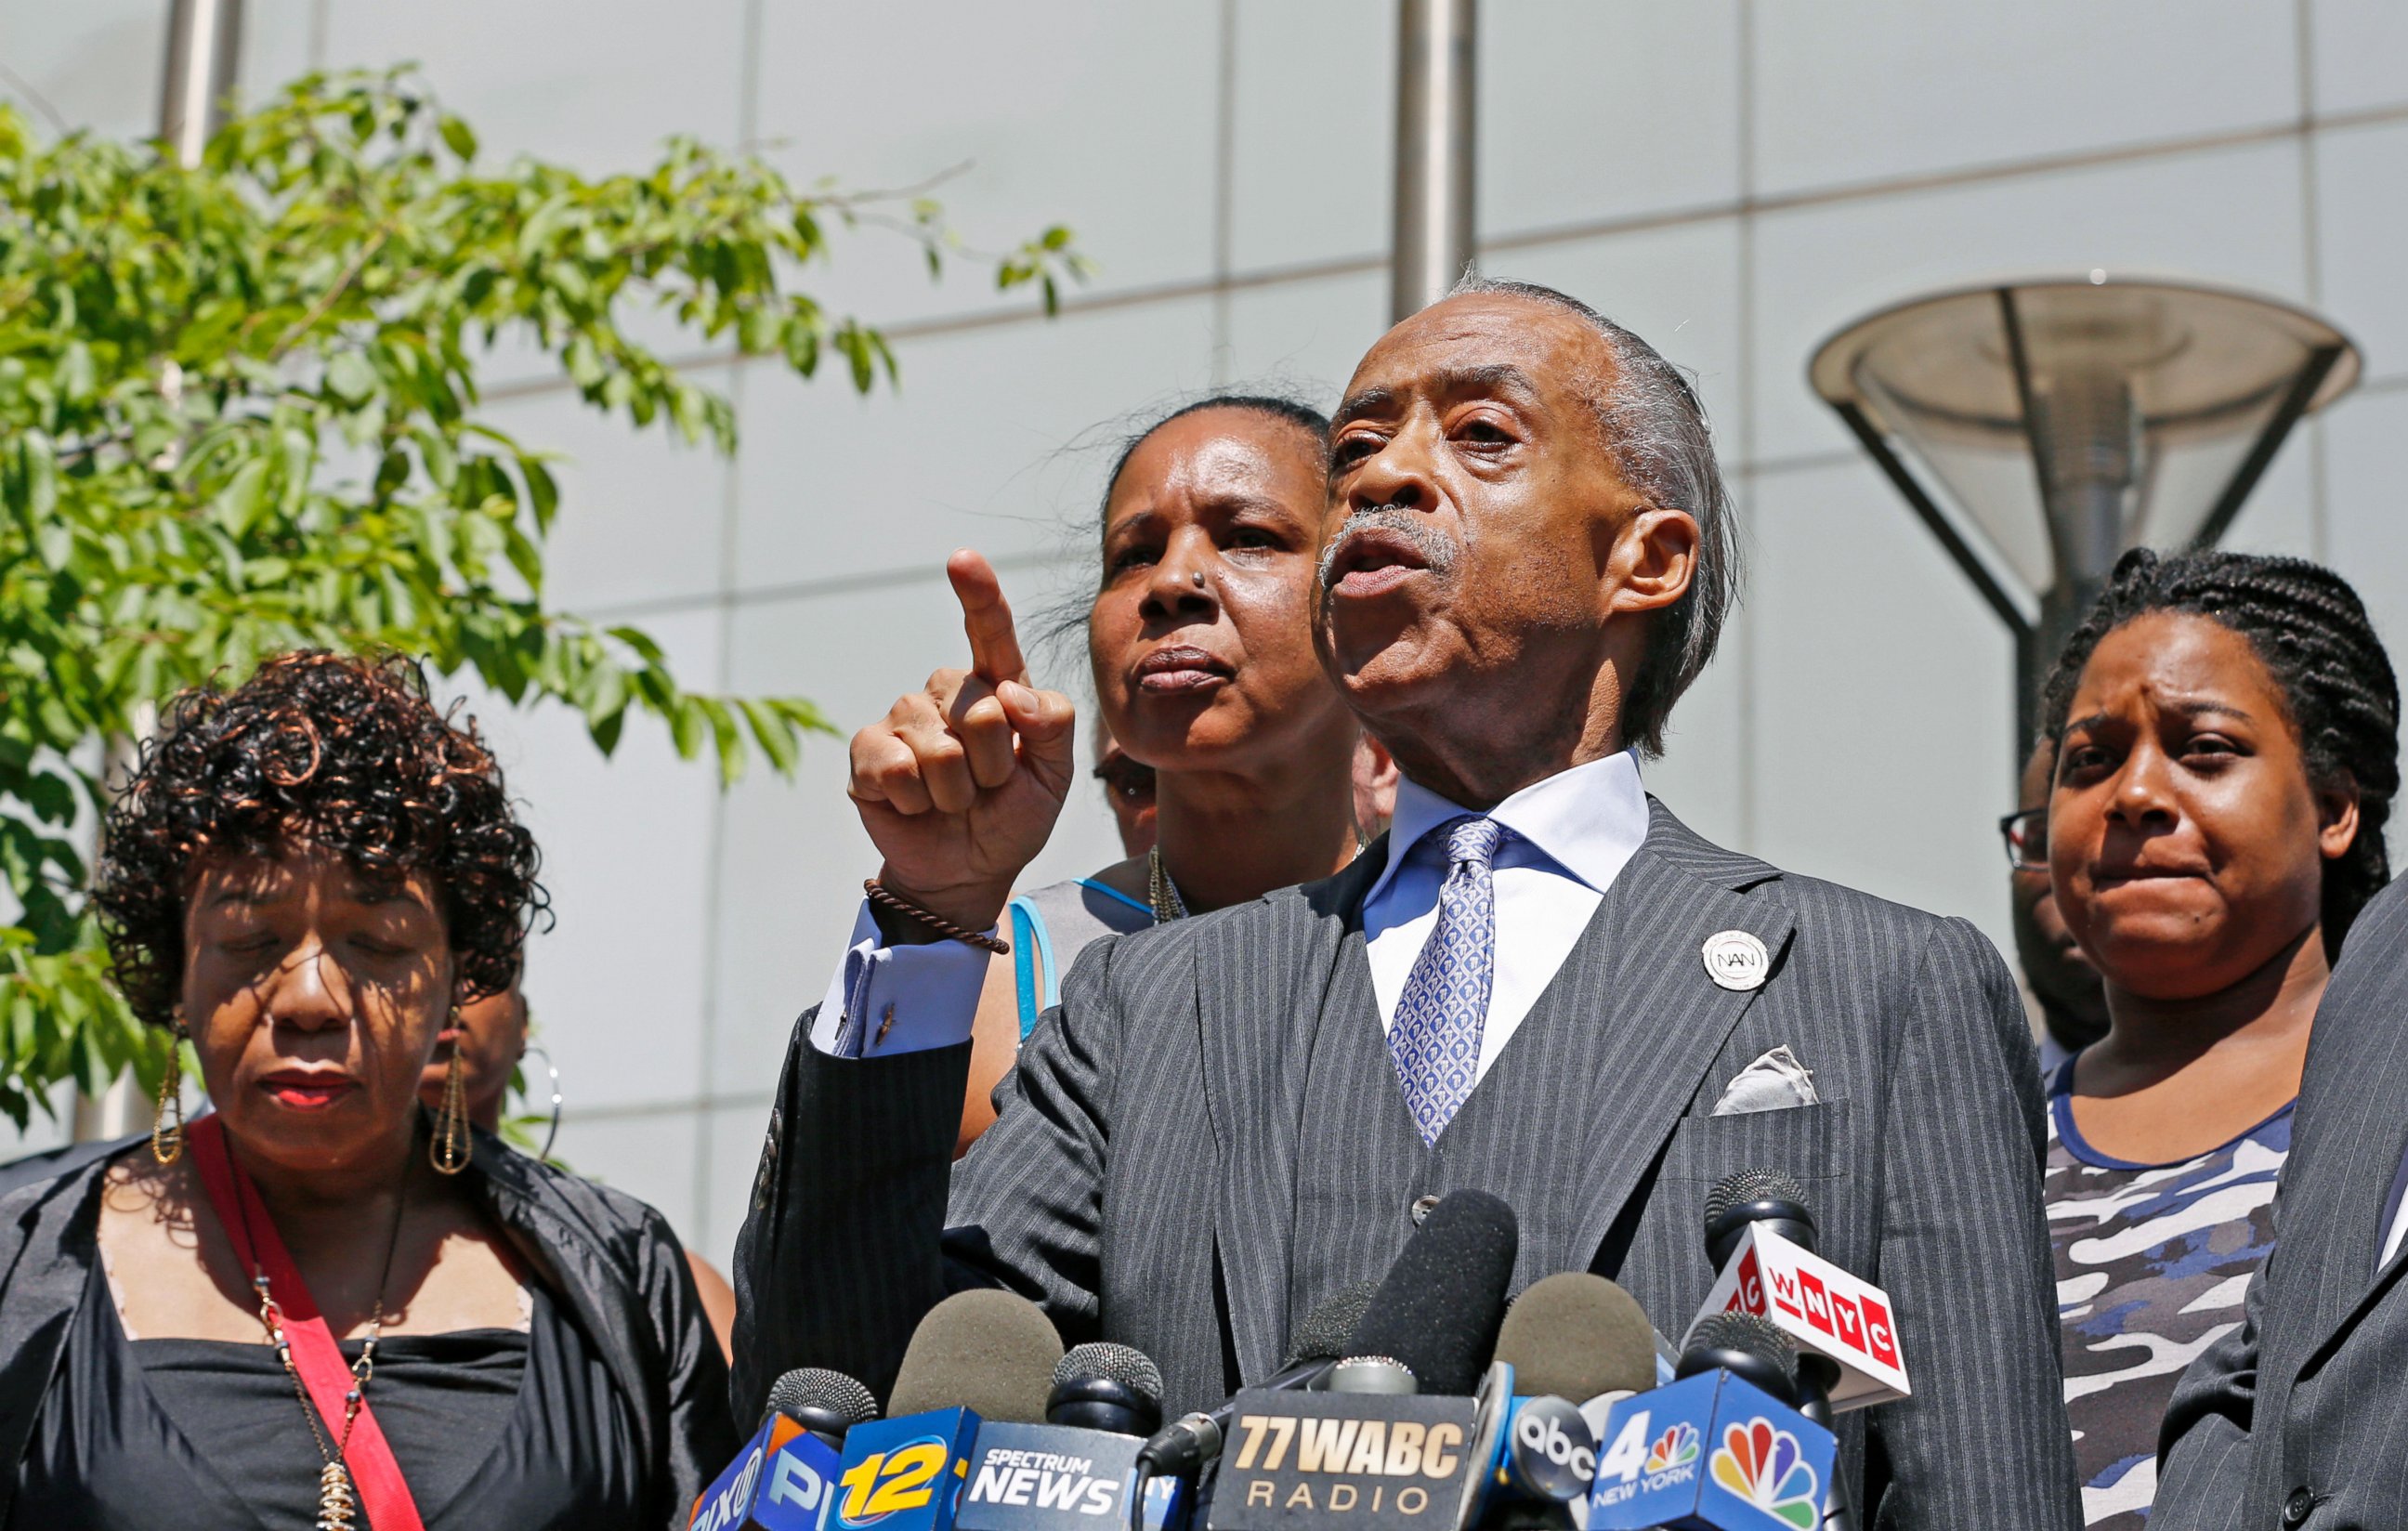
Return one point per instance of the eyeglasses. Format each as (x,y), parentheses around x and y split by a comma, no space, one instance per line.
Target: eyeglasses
(2026,833)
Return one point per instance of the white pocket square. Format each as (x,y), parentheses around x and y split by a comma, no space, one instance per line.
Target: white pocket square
(1774,1082)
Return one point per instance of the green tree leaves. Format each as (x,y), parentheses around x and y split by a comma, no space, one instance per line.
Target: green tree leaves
(239,412)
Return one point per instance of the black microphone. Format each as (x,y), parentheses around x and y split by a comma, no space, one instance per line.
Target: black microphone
(986,1350)
(1184,1446)
(825,1403)
(1102,1387)
(1748,1198)
(1437,1311)
(1750,1346)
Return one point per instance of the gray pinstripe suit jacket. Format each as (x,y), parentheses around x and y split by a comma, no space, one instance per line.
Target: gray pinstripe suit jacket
(2311,1392)
(1139,1182)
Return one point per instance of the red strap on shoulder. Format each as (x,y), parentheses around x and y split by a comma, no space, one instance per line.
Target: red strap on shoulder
(383,1493)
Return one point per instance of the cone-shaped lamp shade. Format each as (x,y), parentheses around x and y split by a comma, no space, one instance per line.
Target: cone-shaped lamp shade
(2066,421)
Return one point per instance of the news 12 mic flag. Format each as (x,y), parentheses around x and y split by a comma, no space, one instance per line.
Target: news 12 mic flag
(1710,1453)
(781,1481)
(1827,1311)
(904,1474)
(1346,1461)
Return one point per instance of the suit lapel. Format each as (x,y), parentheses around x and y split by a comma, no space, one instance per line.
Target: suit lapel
(2336,1217)
(1661,1020)
(1260,983)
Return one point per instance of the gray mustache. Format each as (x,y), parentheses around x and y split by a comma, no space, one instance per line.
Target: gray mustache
(1436,549)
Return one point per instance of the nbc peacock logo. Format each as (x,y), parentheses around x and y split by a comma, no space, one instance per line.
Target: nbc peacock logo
(1677,1447)
(1763,1466)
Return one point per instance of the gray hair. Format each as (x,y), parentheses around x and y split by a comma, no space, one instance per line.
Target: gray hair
(1662,446)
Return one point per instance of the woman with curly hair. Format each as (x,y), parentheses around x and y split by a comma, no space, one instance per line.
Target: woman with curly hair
(2227,738)
(321,1303)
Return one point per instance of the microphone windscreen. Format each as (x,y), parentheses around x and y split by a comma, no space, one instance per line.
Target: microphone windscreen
(1743,1187)
(1575,1335)
(1748,1344)
(1324,1334)
(1438,1309)
(987,1350)
(826,1393)
(1102,1360)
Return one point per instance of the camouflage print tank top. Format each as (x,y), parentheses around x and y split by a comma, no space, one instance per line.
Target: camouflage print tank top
(2152,1263)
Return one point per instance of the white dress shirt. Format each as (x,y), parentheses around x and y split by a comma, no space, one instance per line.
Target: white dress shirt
(1570,837)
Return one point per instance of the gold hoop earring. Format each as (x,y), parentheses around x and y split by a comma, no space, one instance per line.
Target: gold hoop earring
(448,1151)
(168,1120)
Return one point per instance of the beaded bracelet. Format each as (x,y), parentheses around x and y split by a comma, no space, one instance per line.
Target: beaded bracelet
(878,894)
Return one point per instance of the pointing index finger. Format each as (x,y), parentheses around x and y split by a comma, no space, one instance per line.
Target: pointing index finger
(986,617)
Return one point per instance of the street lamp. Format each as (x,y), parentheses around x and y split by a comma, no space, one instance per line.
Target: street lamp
(2059,421)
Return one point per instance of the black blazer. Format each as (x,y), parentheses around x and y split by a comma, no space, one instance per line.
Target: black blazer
(611,1259)
(1140,1180)
(2295,1418)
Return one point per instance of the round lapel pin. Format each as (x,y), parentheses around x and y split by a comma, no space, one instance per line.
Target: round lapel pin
(1735,959)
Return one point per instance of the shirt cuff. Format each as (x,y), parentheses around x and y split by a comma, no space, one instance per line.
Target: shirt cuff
(888,999)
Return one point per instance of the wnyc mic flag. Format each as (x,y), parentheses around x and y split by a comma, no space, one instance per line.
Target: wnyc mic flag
(1827,1311)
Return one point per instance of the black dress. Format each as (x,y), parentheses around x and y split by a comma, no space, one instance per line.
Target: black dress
(622,1392)
(491,1427)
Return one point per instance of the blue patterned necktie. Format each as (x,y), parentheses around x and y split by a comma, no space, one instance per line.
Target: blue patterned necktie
(1435,1040)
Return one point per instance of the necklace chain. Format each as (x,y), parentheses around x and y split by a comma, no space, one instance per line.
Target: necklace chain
(1162,891)
(336,1500)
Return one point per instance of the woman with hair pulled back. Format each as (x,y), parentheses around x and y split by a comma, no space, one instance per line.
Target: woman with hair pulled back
(1200,642)
(323,1303)
(2227,734)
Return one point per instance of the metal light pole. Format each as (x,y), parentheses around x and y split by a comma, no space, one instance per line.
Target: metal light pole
(1436,121)
(204,44)
(2041,428)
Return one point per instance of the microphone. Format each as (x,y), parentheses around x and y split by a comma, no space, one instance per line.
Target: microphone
(985,1350)
(1572,1336)
(1761,1238)
(1748,1346)
(825,1403)
(1182,1447)
(1577,1336)
(1438,1311)
(977,1356)
(1717,1449)
(1394,1439)
(781,1480)
(1079,1468)
(1107,1387)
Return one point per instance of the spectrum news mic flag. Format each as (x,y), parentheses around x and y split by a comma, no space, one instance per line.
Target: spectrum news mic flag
(1078,1470)
(1722,1447)
(782,1478)
(1391,1440)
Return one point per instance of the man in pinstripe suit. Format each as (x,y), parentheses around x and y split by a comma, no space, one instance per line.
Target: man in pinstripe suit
(2294,1418)
(1540,984)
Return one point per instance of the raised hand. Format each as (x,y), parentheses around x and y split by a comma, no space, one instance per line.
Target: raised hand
(959,784)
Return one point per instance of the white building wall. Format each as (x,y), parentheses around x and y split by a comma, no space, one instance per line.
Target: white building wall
(1734,180)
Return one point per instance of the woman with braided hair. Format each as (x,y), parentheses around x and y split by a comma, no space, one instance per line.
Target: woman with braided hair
(2225,728)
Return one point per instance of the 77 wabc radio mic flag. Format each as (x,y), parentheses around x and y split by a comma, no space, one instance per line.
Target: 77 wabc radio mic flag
(1827,1311)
